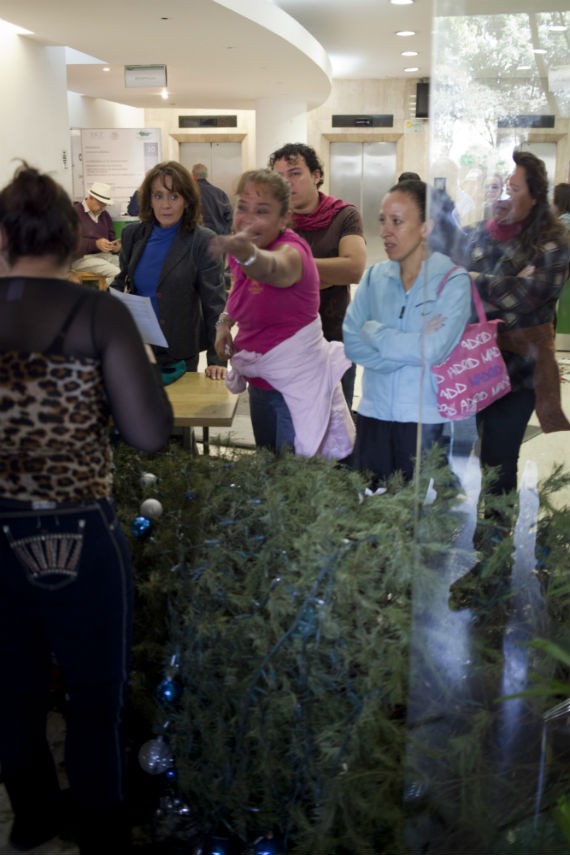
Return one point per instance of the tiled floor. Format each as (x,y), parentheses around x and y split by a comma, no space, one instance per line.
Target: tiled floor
(446,648)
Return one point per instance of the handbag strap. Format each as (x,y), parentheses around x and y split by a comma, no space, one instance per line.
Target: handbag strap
(446,277)
(478,303)
(474,292)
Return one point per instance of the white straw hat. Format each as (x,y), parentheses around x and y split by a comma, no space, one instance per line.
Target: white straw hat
(101,192)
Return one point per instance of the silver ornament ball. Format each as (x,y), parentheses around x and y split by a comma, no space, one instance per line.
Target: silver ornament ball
(148,479)
(154,756)
(151,509)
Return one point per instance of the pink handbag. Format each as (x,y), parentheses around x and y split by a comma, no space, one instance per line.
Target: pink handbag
(474,374)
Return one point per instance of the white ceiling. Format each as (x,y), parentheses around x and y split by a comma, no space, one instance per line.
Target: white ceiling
(229,53)
(218,58)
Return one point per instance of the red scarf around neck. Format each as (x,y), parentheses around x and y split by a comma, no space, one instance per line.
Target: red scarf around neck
(504,232)
(321,217)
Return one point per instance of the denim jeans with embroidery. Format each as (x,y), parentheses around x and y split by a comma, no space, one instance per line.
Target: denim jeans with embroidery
(65,593)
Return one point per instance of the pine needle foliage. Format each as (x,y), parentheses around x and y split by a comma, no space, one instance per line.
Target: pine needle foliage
(280,601)
(285,599)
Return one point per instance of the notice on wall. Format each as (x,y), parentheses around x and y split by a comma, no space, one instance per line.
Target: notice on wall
(120,157)
(413,126)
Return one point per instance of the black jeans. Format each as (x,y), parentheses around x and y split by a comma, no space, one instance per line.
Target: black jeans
(348,380)
(501,428)
(66,590)
(386,447)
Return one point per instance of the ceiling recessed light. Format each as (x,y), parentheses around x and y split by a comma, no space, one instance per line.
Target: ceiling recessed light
(401,2)
(406,33)
(106,68)
(409,53)
(411,68)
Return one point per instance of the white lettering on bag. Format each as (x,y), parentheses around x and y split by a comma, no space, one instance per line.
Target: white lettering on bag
(481,338)
(453,391)
(459,367)
(491,353)
(500,387)
(447,410)
(470,404)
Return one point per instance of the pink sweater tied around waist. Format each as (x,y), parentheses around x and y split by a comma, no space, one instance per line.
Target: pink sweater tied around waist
(306,369)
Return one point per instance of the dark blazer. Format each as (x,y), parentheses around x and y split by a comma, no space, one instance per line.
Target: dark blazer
(217,212)
(190,291)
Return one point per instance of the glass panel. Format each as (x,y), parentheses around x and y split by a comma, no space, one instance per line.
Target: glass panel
(485,774)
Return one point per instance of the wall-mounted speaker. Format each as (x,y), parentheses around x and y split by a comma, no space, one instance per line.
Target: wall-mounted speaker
(362,121)
(526,122)
(207,121)
(422,100)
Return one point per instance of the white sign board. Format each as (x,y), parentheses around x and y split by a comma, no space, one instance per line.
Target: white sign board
(120,157)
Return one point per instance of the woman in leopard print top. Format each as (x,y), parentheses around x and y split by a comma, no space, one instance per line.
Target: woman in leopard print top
(71,360)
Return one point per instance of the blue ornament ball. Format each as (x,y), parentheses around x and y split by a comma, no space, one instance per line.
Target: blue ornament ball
(168,691)
(141,526)
(268,845)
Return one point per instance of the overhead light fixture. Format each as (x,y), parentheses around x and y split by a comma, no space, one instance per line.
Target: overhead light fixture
(538,50)
(409,53)
(405,33)
(164,94)
(401,2)
(411,68)
(106,68)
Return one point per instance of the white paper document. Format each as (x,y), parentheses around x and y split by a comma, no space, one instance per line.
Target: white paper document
(144,317)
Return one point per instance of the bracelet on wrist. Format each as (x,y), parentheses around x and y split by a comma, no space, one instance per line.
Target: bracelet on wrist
(249,261)
(223,319)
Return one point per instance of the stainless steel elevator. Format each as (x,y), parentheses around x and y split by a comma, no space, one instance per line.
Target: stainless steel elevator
(361,173)
(223,160)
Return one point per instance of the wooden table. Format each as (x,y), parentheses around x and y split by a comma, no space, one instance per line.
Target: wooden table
(198,401)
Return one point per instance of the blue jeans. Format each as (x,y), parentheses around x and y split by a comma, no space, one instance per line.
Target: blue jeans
(270,419)
(80,610)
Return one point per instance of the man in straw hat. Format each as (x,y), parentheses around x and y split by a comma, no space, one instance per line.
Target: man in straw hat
(98,246)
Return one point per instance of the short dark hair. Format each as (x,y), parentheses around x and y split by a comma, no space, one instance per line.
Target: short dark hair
(290,151)
(415,188)
(562,198)
(277,185)
(37,216)
(446,236)
(182,183)
(407,176)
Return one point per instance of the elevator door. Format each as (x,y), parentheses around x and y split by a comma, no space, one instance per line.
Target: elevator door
(362,173)
(223,160)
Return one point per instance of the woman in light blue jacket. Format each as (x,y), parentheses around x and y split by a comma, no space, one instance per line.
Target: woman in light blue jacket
(397,326)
